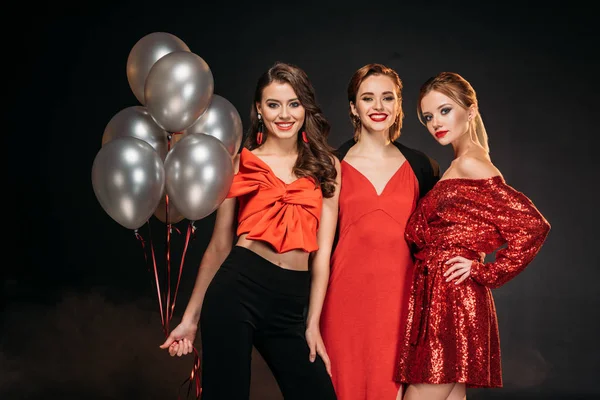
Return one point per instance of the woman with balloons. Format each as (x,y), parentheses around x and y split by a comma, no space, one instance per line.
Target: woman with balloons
(262,292)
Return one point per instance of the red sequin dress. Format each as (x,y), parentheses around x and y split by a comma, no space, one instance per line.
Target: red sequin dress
(452,330)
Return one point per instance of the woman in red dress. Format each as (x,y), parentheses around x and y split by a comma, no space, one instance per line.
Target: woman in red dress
(370,279)
(451,339)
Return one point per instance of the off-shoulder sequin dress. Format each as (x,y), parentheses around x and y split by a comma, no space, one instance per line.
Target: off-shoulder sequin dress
(452,330)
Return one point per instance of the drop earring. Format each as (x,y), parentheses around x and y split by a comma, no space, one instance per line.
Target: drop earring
(259,134)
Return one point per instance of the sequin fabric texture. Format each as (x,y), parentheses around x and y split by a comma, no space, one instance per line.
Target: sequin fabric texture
(452,330)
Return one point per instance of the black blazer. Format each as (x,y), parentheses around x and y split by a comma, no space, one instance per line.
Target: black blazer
(426,169)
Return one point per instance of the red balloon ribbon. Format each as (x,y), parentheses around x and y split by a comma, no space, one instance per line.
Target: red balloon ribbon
(194,379)
(143,242)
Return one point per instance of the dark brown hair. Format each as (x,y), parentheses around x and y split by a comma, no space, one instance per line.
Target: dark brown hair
(355,82)
(315,158)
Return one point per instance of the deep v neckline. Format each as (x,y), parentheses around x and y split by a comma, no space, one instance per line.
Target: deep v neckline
(371,183)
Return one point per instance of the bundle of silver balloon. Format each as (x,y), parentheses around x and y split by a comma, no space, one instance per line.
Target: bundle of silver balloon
(171,156)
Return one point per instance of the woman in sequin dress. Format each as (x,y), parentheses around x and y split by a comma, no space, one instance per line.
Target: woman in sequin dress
(451,341)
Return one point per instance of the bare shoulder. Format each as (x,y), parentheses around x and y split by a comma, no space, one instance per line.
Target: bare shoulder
(336,163)
(338,178)
(473,167)
(338,169)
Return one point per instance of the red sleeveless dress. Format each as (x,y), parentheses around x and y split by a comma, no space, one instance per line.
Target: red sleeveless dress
(369,286)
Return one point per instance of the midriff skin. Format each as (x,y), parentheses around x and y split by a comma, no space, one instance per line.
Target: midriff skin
(294,259)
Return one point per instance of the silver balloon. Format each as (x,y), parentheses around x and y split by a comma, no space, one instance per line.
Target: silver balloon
(144,54)
(222,121)
(199,173)
(128,178)
(136,122)
(178,90)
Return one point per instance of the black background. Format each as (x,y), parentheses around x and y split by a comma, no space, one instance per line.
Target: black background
(81,319)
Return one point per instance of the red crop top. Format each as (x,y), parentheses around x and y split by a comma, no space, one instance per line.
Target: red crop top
(283,215)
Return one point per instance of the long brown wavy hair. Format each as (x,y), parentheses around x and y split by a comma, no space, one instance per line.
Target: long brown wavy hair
(315,158)
(357,79)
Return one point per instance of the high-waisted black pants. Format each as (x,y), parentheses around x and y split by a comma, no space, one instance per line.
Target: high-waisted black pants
(252,301)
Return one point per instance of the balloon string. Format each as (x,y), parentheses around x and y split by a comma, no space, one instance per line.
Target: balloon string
(168,249)
(168,255)
(187,241)
(170,137)
(169,307)
(159,295)
(139,237)
(193,380)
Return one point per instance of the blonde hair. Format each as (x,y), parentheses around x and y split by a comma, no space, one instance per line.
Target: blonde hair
(460,91)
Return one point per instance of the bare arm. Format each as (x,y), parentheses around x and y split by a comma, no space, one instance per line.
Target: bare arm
(321,258)
(320,273)
(181,339)
(217,250)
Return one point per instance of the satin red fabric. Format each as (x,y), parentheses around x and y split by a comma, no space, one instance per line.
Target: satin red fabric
(284,215)
(371,274)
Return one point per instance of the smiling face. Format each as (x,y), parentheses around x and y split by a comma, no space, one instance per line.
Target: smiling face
(377,103)
(281,110)
(445,119)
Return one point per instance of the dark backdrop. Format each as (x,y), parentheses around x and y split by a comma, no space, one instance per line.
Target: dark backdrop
(80,318)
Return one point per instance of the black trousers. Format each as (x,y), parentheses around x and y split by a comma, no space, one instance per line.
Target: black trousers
(252,301)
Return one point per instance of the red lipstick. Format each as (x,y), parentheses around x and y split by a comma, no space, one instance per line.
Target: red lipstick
(440,134)
(284,126)
(378,117)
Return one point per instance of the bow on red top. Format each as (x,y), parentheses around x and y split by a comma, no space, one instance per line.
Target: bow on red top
(283,215)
